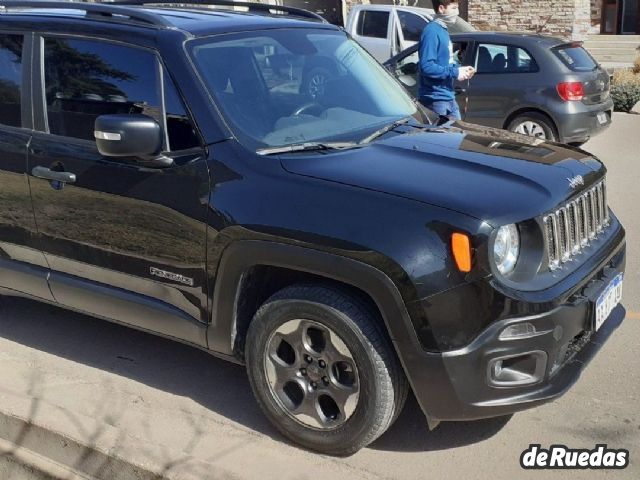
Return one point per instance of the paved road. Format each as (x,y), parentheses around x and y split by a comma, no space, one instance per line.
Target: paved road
(189,405)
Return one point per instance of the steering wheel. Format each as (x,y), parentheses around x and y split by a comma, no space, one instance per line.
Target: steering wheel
(307,106)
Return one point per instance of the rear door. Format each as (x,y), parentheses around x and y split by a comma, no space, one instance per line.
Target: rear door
(123,241)
(22,264)
(506,75)
(373,30)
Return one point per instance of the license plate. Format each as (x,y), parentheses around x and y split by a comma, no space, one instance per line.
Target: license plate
(602,118)
(608,300)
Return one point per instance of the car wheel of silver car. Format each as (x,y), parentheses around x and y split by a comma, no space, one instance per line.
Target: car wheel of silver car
(323,370)
(316,82)
(535,125)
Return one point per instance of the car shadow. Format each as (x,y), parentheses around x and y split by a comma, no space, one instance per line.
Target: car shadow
(179,369)
(410,432)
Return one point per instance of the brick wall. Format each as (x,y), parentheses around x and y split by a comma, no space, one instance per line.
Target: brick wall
(565,18)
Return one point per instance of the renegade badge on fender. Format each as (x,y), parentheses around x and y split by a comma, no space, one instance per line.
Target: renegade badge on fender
(164,168)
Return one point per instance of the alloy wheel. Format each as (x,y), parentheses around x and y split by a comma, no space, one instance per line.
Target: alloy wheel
(532,129)
(317,85)
(312,374)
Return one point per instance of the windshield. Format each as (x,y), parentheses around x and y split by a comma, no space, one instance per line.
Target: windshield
(292,86)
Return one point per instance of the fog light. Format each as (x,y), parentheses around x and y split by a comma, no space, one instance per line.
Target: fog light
(517,370)
(518,330)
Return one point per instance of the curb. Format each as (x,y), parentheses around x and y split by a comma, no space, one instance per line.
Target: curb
(19,462)
(35,439)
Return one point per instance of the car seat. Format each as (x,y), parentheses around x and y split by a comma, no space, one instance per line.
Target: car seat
(485,63)
(499,63)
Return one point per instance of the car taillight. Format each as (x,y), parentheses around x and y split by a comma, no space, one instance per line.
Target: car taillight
(571,91)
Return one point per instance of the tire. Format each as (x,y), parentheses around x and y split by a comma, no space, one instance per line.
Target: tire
(315,82)
(535,125)
(334,326)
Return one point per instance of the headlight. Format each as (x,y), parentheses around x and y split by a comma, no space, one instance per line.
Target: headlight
(506,248)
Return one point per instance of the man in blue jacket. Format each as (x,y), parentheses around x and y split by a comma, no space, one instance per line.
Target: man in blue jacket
(438,68)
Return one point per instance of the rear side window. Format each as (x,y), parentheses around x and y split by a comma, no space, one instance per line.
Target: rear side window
(412,26)
(494,59)
(576,58)
(85,79)
(373,24)
(10,79)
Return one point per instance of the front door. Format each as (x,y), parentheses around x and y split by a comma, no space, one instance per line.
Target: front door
(610,16)
(409,28)
(630,17)
(123,241)
(407,70)
(22,264)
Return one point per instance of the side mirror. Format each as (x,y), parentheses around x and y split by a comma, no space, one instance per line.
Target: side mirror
(131,135)
(409,69)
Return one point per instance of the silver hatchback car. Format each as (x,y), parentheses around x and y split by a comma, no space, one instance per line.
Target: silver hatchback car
(531,84)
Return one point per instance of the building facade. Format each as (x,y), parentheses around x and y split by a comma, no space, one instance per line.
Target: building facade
(573,19)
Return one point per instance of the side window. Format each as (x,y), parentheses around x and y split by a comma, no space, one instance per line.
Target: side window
(460,52)
(412,26)
(85,79)
(180,129)
(523,62)
(504,59)
(10,79)
(373,24)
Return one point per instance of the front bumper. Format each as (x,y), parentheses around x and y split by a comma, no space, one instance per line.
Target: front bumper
(460,384)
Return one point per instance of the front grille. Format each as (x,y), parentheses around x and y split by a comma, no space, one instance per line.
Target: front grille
(572,227)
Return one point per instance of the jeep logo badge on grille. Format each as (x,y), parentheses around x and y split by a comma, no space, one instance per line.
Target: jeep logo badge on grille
(576,181)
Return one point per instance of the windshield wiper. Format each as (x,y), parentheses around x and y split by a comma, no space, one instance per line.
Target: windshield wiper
(307,147)
(311,146)
(385,129)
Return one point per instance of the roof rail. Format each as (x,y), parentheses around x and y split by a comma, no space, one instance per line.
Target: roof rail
(92,9)
(251,7)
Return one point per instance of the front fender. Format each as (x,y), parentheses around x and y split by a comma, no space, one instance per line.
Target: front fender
(241,255)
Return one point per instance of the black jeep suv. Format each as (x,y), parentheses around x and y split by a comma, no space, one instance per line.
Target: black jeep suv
(163,168)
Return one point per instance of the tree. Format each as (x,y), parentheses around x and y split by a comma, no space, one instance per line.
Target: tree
(78,73)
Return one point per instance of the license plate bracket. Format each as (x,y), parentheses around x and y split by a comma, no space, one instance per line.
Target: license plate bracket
(607,301)
(603,118)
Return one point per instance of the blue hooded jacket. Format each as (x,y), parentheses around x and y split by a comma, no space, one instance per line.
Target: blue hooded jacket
(437,73)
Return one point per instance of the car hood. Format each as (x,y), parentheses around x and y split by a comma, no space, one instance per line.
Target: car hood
(490,174)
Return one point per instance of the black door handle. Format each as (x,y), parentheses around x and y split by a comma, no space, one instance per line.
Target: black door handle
(48,174)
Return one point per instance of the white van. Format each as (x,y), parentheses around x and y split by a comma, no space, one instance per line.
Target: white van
(386,30)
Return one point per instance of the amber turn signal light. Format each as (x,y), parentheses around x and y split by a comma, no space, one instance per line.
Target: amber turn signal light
(461,246)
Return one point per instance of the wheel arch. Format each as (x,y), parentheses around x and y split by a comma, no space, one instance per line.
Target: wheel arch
(524,110)
(244,261)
